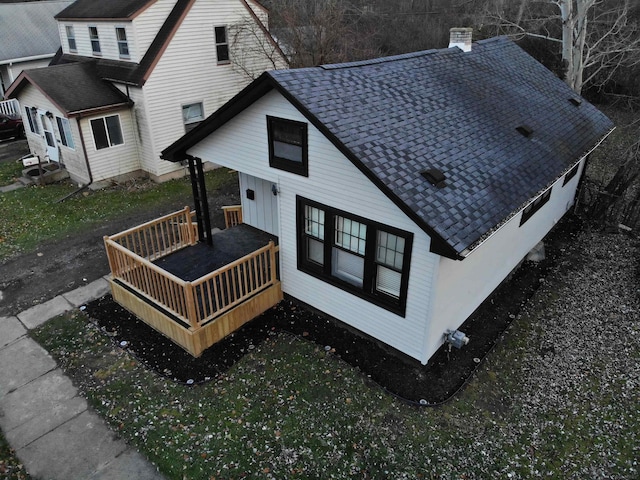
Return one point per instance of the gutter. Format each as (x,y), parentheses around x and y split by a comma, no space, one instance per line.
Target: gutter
(28,59)
(464,254)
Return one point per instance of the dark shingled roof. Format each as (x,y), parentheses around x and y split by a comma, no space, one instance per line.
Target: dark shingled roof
(105,9)
(449,110)
(89,93)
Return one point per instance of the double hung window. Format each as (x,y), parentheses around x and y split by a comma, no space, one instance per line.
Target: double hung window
(95,40)
(192,115)
(222,44)
(32,119)
(107,132)
(363,257)
(123,44)
(71,38)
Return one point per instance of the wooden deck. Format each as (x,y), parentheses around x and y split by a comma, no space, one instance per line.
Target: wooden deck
(193,293)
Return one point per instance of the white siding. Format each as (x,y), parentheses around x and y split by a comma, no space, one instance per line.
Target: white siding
(188,73)
(334,181)
(148,23)
(106,35)
(262,211)
(463,285)
(73,159)
(112,161)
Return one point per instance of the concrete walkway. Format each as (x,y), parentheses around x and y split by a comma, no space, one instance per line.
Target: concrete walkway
(53,431)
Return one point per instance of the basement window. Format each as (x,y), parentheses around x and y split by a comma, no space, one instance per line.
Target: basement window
(534,206)
(570,174)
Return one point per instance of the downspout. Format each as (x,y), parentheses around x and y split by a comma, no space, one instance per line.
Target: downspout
(86,160)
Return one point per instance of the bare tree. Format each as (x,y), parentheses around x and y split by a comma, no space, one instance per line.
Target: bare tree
(596,37)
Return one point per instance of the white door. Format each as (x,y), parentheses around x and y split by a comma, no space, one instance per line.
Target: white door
(259,204)
(49,137)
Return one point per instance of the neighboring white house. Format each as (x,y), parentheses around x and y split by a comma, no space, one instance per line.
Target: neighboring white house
(28,37)
(132,76)
(405,189)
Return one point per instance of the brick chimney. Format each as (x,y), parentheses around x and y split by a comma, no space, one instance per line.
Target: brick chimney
(461,38)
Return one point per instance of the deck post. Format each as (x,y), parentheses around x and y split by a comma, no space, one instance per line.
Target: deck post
(191,306)
(272,259)
(187,212)
(112,265)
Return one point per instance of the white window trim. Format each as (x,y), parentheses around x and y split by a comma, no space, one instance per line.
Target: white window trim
(68,28)
(103,118)
(63,134)
(118,42)
(225,43)
(91,40)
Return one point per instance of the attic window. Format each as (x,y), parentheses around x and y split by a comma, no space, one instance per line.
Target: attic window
(434,177)
(576,101)
(524,130)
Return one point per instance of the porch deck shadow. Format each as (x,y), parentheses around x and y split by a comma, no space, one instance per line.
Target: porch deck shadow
(229,245)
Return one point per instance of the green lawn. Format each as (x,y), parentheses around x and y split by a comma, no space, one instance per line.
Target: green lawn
(9,172)
(35,214)
(290,410)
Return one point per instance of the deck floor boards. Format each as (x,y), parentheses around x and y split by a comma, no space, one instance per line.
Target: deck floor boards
(198,260)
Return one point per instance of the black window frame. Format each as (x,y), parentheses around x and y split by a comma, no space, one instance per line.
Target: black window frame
(530,210)
(368,291)
(571,173)
(293,166)
(222,44)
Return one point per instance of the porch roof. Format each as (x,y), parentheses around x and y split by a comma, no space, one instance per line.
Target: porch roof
(89,94)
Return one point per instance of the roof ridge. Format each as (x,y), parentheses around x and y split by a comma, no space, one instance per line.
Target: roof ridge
(390,58)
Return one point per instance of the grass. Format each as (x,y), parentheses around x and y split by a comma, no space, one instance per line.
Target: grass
(33,215)
(9,172)
(290,410)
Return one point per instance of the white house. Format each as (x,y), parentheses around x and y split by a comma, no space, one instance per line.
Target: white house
(403,190)
(133,75)
(28,37)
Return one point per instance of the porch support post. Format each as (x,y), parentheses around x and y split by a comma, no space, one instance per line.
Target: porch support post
(199,189)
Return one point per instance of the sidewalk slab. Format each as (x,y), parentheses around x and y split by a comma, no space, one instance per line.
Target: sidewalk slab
(10,329)
(22,361)
(81,295)
(38,407)
(129,464)
(11,188)
(74,450)
(39,314)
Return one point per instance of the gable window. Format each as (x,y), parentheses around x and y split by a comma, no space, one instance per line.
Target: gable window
(222,44)
(288,145)
(534,206)
(192,115)
(95,40)
(31,118)
(360,256)
(71,38)
(570,174)
(65,132)
(106,132)
(123,45)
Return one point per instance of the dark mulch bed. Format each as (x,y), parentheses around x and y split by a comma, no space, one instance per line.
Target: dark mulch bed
(444,375)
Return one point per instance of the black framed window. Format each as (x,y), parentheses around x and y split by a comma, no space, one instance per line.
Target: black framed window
(288,145)
(570,174)
(358,255)
(222,44)
(534,206)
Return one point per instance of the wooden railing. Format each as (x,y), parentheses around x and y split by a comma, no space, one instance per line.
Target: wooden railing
(160,237)
(232,215)
(195,303)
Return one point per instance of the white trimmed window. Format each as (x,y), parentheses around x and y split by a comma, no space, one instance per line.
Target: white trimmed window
(64,127)
(32,119)
(107,132)
(222,44)
(123,44)
(71,38)
(95,40)
(192,115)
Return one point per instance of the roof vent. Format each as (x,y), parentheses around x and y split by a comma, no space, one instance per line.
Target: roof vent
(576,101)
(525,130)
(435,177)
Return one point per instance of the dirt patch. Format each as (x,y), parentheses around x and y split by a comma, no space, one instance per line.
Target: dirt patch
(444,375)
(57,267)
